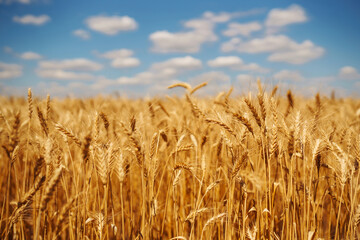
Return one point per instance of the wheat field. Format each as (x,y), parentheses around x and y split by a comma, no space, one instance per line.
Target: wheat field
(260,166)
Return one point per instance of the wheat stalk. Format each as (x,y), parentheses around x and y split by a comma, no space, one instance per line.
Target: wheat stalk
(181,84)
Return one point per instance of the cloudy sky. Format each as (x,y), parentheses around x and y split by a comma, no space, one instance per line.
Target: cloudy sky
(138,48)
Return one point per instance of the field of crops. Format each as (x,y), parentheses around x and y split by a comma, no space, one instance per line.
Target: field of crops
(258,166)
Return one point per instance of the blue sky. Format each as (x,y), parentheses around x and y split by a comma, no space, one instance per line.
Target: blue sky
(138,48)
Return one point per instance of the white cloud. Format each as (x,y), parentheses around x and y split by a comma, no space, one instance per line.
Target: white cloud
(217,18)
(180,63)
(228,61)
(235,63)
(283,48)
(63,75)
(245,78)
(73,88)
(121,58)
(260,45)
(299,54)
(30,56)
(288,75)
(102,83)
(81,33)
(198,31)
(324,79)
(77,64)
(278,18)
(186,42)
(165,71)
(8,49)
(32,20)
(25,55)
(349,73)
(254,67)
(125,62)
(244,29)
(111,25)
(15,1)
(68,69)
(58,89)
(10,70)
(117,53)
(230,45)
